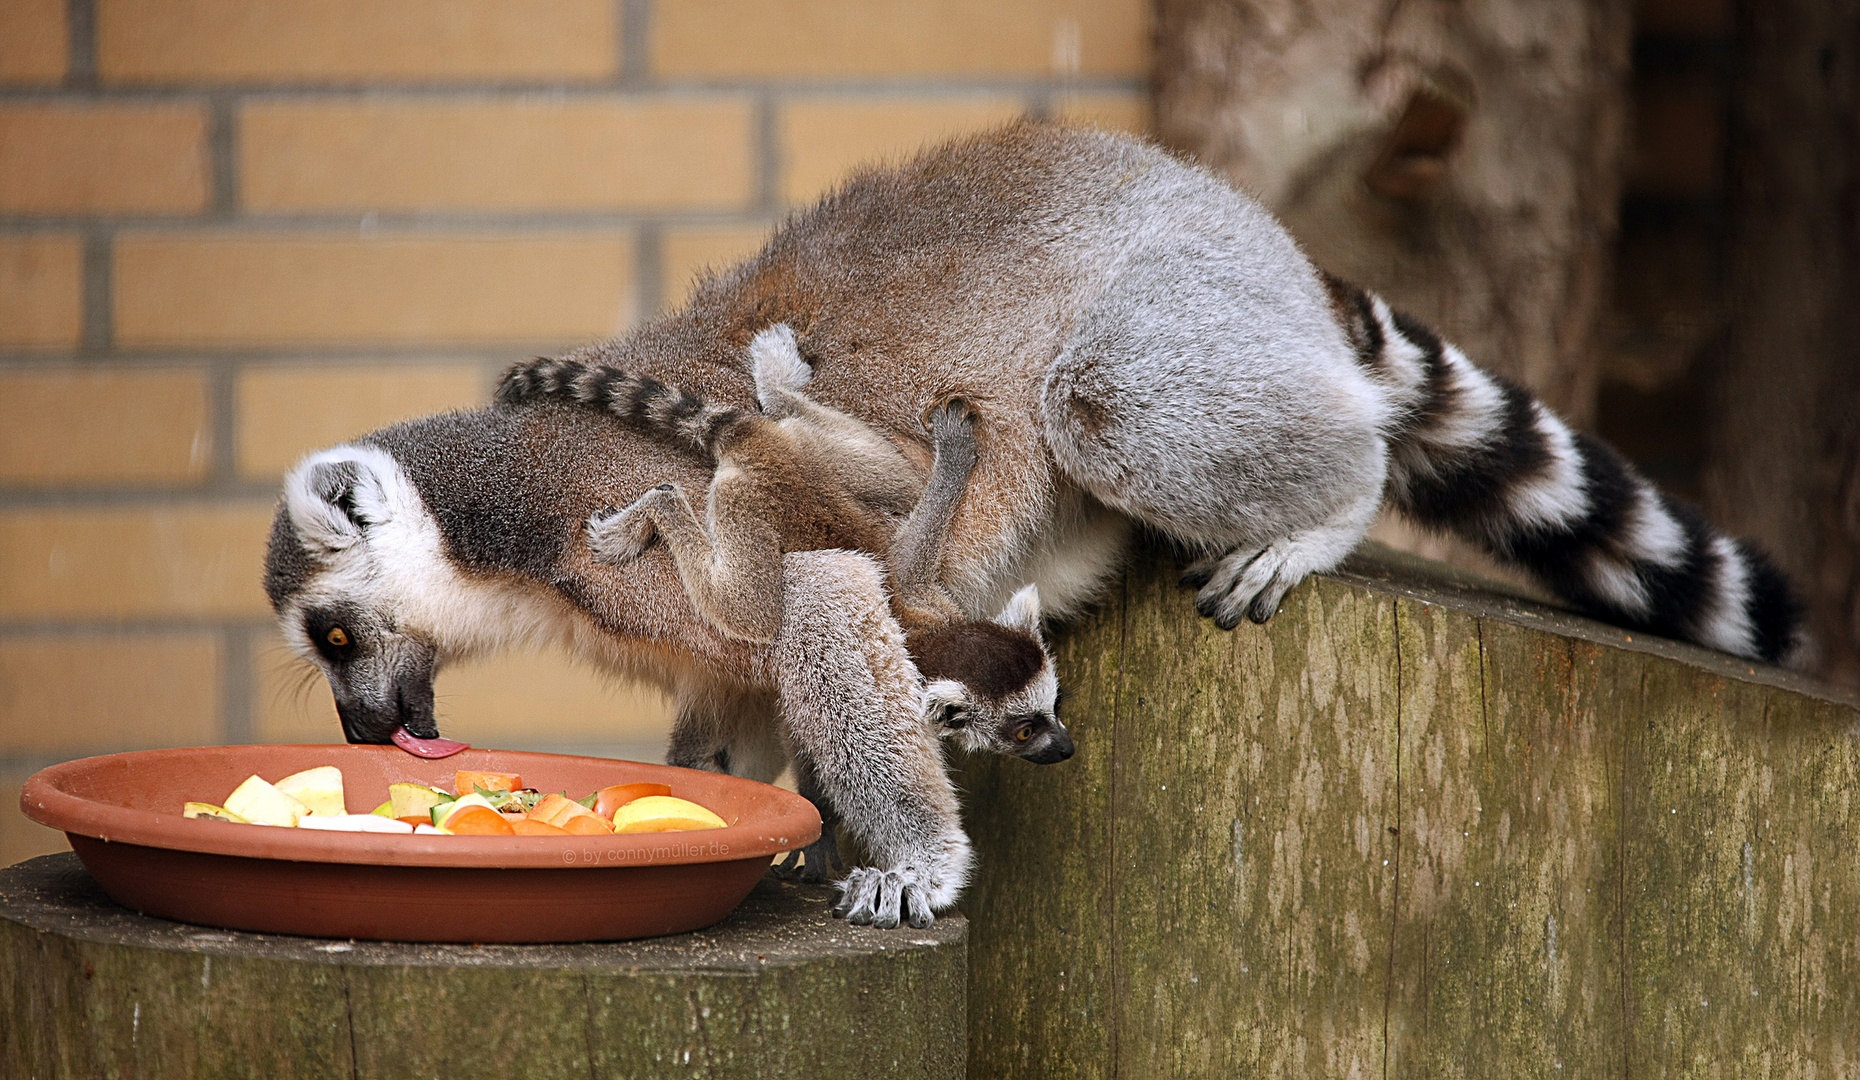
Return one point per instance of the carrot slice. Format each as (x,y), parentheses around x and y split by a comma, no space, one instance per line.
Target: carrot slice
(613,798)
(586,825)
(553,808)
(532,827)
(467,781)
(416,820)
(479,821)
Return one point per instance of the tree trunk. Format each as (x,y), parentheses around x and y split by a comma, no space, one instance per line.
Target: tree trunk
(1783,453)
(1463,160)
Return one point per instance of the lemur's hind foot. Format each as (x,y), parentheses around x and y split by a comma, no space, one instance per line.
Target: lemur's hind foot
(815,864)
(620,536)
(1250,582)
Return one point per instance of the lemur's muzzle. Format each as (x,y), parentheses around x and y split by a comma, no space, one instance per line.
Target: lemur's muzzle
(1052,747)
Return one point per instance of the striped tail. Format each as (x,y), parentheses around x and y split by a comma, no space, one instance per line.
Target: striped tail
(670,411)
(1475,456)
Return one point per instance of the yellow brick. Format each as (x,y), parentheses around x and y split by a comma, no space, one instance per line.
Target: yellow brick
(187,560)
(286,412)
(825,38)
(350,40)
(396,154)
(41,292)
(514,701)
(688,252)
(118,158)
(98,694)
(22,838)
(822,141)
(233,289)
(1109,111)
(92,425)
(32,41)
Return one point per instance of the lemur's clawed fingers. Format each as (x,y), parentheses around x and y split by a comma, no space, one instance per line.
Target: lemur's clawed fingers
(858,892)
(884,898)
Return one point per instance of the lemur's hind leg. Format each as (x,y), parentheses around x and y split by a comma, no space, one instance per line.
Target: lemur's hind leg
(728,728)
(851,701)
(816,863)
(734,579)
(1226,411)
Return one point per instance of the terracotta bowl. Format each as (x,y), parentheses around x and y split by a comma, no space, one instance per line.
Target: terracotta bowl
(122,813)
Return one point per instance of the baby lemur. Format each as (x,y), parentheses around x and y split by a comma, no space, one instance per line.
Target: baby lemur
(801,476)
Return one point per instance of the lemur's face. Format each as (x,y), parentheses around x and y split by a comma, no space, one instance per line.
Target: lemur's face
(991,686)
(358,578)
(1024,724)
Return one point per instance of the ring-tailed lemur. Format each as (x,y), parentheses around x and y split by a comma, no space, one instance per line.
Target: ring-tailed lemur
(1147,348)
(799,476)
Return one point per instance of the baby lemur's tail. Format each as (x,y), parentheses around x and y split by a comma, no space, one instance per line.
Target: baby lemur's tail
(671,411)
(1474,455)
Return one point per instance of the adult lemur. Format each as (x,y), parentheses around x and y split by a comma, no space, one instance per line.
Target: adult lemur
(799,476)
(1146,346)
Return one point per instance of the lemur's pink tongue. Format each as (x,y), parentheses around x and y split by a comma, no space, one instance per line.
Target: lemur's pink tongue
(427,748)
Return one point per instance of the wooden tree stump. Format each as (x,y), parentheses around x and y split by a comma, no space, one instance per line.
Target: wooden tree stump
(1411,830)
(88,989)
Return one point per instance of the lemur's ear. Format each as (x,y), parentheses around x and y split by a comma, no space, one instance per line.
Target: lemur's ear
(1022,611)
(333,497)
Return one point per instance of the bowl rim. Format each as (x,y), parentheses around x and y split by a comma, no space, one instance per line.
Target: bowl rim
(792,822)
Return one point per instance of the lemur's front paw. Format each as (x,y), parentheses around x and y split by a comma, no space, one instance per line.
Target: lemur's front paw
(873,897)
(620,536)
(814,864)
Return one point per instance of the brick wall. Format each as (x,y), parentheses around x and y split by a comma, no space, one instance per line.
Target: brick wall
(232,231)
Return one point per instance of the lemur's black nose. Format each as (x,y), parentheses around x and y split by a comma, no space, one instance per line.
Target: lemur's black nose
(1055,747)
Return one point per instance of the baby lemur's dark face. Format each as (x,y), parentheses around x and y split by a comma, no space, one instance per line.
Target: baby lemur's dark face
(992,688)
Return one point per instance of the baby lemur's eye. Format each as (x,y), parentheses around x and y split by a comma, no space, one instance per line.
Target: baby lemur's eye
(337,636)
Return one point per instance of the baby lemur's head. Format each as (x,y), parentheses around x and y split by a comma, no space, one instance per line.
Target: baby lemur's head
(990,684)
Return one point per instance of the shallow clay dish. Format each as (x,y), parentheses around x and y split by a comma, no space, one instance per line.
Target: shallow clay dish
(122,813)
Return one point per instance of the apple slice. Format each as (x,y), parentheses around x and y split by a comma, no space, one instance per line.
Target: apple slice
(663,813)
(409,800)
(368,823)
(262,804)
(320,789)
(211,812)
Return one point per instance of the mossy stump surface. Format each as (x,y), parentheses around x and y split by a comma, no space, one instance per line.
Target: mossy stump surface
(88,989)
(1409,829)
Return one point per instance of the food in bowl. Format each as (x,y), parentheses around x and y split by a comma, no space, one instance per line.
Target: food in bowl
(481,804)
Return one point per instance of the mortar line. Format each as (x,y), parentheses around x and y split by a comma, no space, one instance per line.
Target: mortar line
(236,721)
(495,90)
(634,26)
(649,270)
(768,154)
(81,44)
(98,318)
(223,155)
(222,420)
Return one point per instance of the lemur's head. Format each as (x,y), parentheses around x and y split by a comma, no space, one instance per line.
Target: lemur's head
(417,545)
(990,684)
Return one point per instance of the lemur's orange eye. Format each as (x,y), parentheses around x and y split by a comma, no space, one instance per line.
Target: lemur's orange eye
(1023,733)
(337,636)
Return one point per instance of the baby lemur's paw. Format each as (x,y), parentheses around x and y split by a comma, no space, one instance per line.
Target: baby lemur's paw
(620,536)
(814,864)
(873,897)
(952,430)
(776,359)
